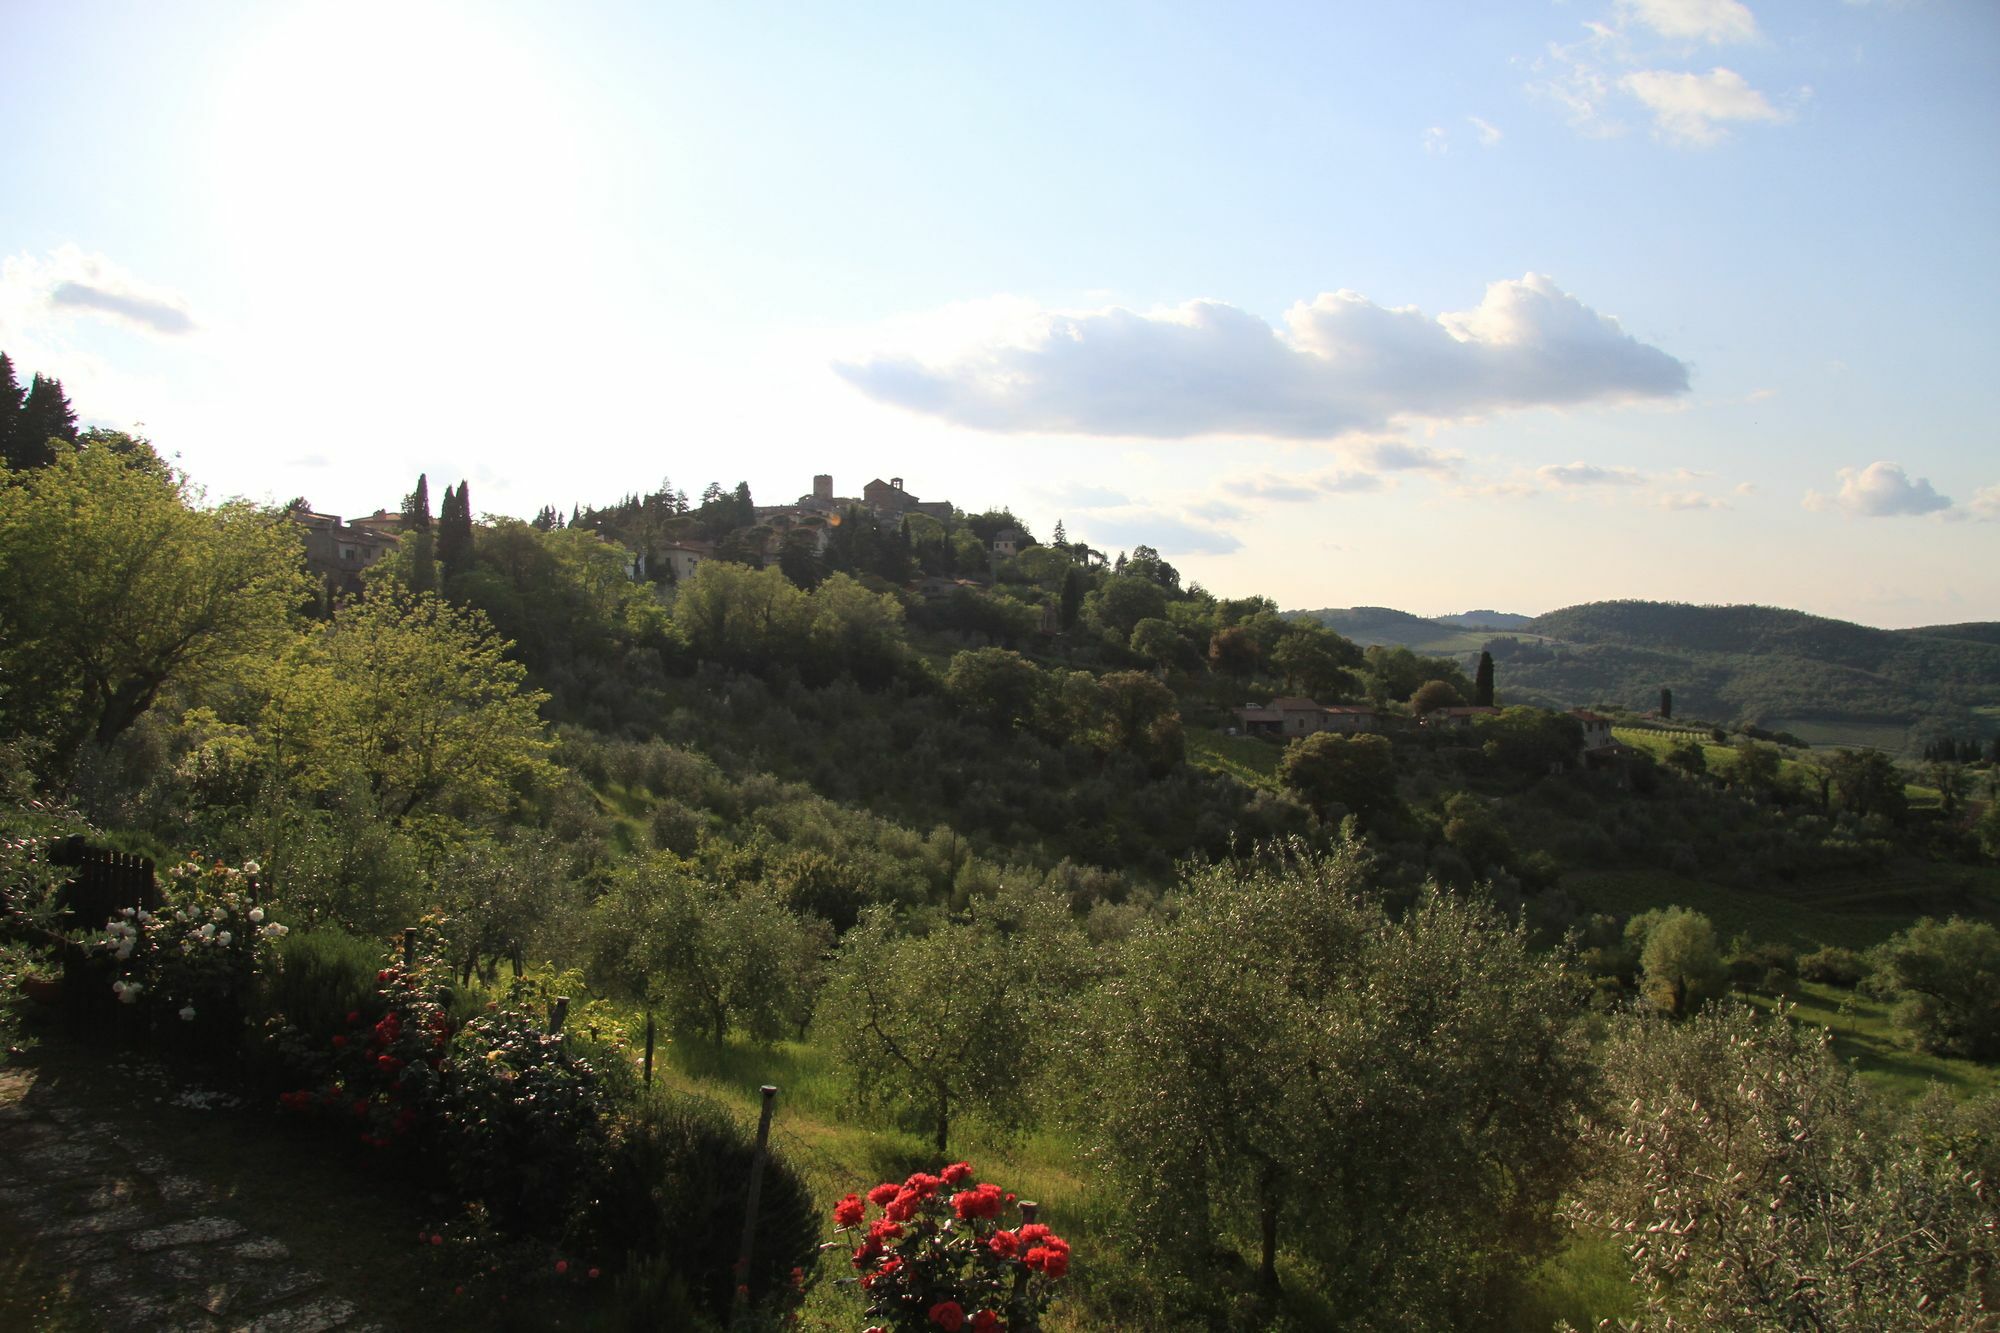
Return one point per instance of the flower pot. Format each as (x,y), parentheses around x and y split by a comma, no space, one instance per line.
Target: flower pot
(43,990)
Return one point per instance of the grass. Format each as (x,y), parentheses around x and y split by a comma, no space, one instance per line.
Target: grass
(1252,762)
(1787,918)
(1844,733)
(1865,1036)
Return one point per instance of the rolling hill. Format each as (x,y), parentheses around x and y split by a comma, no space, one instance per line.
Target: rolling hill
(1828,681)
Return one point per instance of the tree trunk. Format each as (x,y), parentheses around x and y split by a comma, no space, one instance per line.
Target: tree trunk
(943,1119)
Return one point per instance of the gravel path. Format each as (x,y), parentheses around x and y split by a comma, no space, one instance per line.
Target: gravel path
(147,1248)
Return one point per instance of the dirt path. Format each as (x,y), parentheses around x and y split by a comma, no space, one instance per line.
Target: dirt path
(133,1200)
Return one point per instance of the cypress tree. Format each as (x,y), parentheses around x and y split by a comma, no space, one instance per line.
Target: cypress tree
(1482,683)
(11,395)
(45,415)
(1666,705)
(418,539)
(454,535)
(1072,598)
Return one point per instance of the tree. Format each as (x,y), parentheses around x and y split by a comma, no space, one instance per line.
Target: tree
(746,617)
(716,958)
(1689,757)
(115,585)
(1868,784)
(1280,1059)
(1316,662)
(1120,603)
(1142,716)
(1357,773)
(45,419)
(1235,651)
(1158,642)
(1666,705)
(405,706)
(1947,975)
(417,551)
(931,1024)
(1756,767)
(995,685)
(1433,695)
(454,534)
(1482,682)
(1751,1183)
(1072,599)
(1679,964)
(1532,742)
(11,396)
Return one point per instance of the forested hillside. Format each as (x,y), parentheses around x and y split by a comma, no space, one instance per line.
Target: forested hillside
(959,836)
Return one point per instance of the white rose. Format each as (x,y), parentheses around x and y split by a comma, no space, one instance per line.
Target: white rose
(208,932)
(187,1013)
(223,938)
(256,916)
(251,868)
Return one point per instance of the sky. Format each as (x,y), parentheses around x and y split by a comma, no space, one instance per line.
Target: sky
(1434,306)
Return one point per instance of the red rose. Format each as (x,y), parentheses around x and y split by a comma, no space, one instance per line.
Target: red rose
(1004,1243)
(924,1186)
(986,1322)
(339,1042)
(1032,1233)
(903,1207)
(1048,1260)
(883,1229)
(882,1194)
(958,1173)
(562,1266)
(849,1211)
(867,1253)
(948,1315)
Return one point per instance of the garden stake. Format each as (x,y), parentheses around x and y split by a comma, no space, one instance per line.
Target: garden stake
(409,948)
(558,1011)
(741,1305)
(1028,1210)
(649,1048)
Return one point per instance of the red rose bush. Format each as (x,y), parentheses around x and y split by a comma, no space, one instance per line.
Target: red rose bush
(939,1254)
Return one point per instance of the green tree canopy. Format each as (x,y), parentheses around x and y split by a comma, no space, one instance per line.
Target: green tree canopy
(1279,1060)
(115,583)
(404,706)
(1357,773)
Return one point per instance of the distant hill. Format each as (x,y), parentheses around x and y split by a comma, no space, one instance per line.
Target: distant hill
(1978,631)
(1371,625)
(1485,620)
(1828,681)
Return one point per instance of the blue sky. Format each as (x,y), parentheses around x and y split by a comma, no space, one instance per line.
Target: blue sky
(1431,305)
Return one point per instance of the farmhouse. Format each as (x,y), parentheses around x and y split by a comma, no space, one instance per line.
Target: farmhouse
(1288,718)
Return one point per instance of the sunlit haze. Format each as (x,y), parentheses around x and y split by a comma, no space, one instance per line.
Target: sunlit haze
(1436,306)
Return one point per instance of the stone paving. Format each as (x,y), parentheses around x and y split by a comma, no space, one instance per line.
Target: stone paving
(147,1249)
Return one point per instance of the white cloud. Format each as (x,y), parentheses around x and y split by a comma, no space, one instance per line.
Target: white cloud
(1166,533)
(1880,490)
(1436,141)
(1499,490)
(70,282)
(1713,21)
(1695,110)
(1268,486)
(1690,500)
(1986,502)
(1082,496)
(1342,366)
(1398,456)
(1588,474)
(1488,133)
(1216,511)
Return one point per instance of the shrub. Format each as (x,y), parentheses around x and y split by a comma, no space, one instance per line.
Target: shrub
(322,976)
(1946,974)
(1833,966)
(677,1181)
(941,1255)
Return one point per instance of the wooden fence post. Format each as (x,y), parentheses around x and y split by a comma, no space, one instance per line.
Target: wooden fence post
(558,1012)
(409,948)
(649,1048)
(741,1305)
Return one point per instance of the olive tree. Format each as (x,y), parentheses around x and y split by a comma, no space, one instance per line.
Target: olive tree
(929,1024)
(1278,1061)
(1750,1183)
